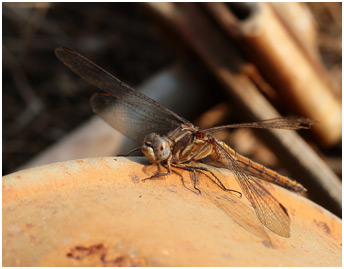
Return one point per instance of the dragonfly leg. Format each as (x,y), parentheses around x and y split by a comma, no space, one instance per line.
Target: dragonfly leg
(183,182)
(193,177)
(218,181)
(159,174)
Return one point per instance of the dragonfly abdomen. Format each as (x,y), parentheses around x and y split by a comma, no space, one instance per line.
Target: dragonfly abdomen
(263,172)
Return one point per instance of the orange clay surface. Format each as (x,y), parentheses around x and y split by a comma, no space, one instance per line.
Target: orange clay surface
(98,212)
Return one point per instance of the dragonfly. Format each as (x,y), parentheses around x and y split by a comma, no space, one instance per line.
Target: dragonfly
(169,139)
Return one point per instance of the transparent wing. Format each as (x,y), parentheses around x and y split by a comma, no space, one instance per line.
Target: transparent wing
(237,210)
(269,211)
(135,107)
(129,119)
(288,123)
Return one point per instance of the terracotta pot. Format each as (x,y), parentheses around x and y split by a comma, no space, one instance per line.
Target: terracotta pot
(96,212)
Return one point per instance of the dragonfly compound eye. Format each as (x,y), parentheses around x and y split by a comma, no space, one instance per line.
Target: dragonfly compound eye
(147,148)
(149,139)
(161,148)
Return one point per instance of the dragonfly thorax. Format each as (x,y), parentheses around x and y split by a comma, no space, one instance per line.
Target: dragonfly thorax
(156,148)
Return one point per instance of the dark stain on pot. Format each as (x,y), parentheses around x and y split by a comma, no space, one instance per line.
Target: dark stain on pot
(323,226)
(123,260)
(79,252)
(99,251)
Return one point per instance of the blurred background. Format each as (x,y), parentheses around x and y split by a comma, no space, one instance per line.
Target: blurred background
(211,63)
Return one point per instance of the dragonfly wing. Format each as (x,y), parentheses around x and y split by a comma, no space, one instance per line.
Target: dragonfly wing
(269,211)
(237,210)
(287,123)
(129,119)
(97,76)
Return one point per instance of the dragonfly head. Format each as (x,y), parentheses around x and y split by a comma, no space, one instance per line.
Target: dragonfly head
(156,148)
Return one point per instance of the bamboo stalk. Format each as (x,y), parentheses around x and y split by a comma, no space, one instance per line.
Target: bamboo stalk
(295,76)
(299,22)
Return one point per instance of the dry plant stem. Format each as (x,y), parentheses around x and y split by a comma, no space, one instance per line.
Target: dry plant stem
(225,63)
(299,22)
(299,78)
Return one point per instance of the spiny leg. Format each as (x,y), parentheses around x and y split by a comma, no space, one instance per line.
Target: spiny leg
(158,174)
(218,181)
(182,179)
(194,177)
(195,180)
